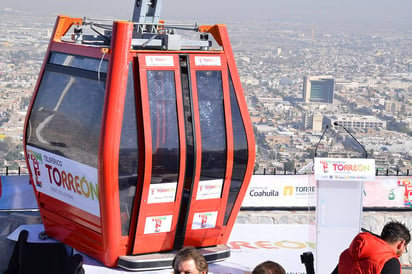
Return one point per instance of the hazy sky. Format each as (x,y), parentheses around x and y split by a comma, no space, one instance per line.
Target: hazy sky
(361,12)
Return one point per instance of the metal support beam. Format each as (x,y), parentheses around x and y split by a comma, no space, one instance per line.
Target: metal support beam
(147,11)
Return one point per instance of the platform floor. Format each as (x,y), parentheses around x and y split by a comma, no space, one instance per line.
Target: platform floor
(250,245)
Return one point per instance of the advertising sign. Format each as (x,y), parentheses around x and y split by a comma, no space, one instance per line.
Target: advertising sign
(300,191)
(280,191)
(385,192)
(344,169)
(63,179)
(16,192)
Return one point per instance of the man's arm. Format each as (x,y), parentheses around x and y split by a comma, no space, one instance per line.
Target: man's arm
(391,267)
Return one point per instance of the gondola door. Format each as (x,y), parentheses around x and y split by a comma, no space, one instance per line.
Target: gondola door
(213,148)
(162,169)
(188,151)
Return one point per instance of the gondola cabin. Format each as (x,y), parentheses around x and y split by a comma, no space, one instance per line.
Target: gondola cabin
(138,140)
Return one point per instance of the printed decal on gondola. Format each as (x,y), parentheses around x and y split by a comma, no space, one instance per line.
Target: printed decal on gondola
(208,61)
(204,220)
(158,224)
(65,180)
(162,193)
(159,60)
(209,189)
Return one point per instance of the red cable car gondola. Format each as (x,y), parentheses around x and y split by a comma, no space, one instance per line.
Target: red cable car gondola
(139,142)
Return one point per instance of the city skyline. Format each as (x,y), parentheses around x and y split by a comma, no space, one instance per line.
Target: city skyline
(372,72)
(320,13)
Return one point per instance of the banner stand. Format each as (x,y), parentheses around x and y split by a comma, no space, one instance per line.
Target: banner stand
(339,183)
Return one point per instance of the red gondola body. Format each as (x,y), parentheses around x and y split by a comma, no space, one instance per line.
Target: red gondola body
(136,150)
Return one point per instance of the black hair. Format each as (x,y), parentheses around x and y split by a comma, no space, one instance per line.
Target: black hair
(394,231)
(268,267)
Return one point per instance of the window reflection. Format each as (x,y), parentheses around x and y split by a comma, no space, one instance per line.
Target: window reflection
(128,156)
(164,126)
(212,124)
(66,116)
(240,155)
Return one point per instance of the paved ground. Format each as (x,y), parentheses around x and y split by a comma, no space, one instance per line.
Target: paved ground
(9,221)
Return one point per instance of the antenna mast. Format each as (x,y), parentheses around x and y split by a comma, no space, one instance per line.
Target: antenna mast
(147,11)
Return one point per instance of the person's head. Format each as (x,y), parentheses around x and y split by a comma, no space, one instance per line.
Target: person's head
(396,235)
(268,267)
(189,260)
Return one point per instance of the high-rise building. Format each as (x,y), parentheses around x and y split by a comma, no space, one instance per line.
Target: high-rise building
(318,89)
(393,106)
(317,120)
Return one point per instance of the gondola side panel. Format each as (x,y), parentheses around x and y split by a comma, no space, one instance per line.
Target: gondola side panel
(110,142)
(221,35)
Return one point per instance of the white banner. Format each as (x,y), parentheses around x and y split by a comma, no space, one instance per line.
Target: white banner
(300,191)
(16,192)
(280,191)
(63,179)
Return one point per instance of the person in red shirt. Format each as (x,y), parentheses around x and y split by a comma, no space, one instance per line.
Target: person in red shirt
(369,253)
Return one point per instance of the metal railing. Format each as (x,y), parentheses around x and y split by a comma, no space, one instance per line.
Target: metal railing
(378,172)
(6,171)
(271,171)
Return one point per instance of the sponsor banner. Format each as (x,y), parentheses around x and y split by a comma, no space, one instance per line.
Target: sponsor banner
(344,169)
(209,189)
(16,192)
(264,191)
(204,220)
(65,180)
(280,191)
(384,192)
(300,191)
(158,224)
(162,193)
